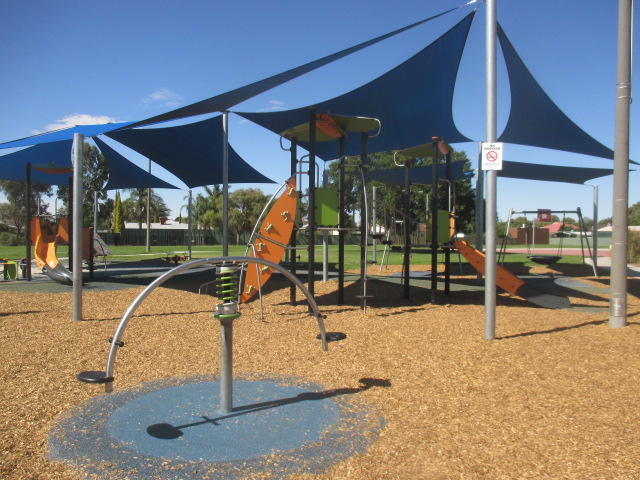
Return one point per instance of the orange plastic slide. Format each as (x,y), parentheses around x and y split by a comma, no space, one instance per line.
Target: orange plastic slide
(45,251)
(510,282)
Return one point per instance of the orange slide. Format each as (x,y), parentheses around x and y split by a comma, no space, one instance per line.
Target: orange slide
(45,249)
(510,282)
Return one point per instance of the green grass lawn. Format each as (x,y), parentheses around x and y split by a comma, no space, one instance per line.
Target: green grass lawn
(352,255)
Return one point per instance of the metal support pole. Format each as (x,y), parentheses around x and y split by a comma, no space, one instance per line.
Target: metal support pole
(342,220)
(226,366)
(479,241)
(594,234)
(406,225)
(27,230)
(70,217)
(95,212)
(491,211)
(189,222)
(294,234)
(434,220)
(225,185)
(78,151)
(618,301)
(312,199)
(374,222)
(325,237)
(148,237)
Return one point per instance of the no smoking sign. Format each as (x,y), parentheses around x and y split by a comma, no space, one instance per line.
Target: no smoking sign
(492,156)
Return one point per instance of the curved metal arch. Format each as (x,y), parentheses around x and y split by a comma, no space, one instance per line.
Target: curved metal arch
(115,342)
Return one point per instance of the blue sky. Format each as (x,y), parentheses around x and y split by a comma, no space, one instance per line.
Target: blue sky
(69,62)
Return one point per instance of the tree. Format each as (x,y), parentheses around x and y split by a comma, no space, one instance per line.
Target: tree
(94,178)
(391,197)
(135,207)
(118,215)
(245,206)
(634,214)
(15,210)
(210,201)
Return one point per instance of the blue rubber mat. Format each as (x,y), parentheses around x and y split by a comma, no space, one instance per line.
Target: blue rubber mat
(170,429)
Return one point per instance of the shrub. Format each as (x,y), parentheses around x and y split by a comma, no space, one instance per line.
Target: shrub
(633,247)
(8,239)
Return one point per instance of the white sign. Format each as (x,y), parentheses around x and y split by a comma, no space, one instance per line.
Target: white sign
(492,156)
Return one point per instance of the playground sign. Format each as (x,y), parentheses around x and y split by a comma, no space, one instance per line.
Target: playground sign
(492,156)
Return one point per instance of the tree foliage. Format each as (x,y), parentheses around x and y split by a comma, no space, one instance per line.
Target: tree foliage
(14,212)
(245,206)
(118,214)
(390,197)
(135,207)
(94,178)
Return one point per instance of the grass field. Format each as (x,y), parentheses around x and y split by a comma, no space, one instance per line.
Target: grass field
(421,256)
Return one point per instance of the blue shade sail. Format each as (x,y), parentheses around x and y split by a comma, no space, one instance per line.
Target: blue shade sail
(192,152)
(224,101)
(413,101)
(65,134)
(125,174)
(551,173)
(534,119)
(56,155)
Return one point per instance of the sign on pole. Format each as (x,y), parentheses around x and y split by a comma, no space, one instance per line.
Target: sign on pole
(492,156)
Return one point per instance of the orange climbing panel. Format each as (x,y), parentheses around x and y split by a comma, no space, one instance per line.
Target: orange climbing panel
(271,240)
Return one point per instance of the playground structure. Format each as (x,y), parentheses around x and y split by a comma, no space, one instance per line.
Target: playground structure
(46,241)
(325,128)
(45,234)
(228,284)
(544,215)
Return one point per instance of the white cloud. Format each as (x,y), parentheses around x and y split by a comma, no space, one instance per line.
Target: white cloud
(274,105)
(76,119)
(163,97)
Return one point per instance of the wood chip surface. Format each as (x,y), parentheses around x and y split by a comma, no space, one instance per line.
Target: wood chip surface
(556,395)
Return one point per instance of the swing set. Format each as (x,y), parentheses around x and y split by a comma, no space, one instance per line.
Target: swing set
(543,215)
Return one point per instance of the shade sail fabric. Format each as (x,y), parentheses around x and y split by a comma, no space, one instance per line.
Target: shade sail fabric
(65,134)
(224,101)
(413,101)
(125,174)
(551,173)
(192,152)
(13,166)
(534,119)
(419,175)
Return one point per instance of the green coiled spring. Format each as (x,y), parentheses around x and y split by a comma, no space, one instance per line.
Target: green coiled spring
(227,288)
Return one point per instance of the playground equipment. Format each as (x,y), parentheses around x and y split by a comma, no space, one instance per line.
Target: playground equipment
(544,215)
(47,235)
(510,282)
(439,236)
(46,242)
(328,127)
(272,238)
(227,282)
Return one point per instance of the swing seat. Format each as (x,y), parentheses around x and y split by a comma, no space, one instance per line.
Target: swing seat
(544,259)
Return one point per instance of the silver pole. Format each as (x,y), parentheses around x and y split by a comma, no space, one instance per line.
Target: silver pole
(226,366)
(225,184)
(325,237)
(618,302)
(148,241)
(190,234)
(95,213)
(490,217)
(374,222)
(479,243)
(78,152)
(594,235)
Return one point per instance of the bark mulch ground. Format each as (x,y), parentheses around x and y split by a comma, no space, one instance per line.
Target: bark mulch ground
(554,396)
